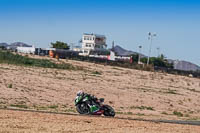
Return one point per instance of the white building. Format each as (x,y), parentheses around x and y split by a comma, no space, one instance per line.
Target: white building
(26,50)
(93,42)
(113,57)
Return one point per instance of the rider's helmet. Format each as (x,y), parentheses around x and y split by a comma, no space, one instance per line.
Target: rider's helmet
(80,93)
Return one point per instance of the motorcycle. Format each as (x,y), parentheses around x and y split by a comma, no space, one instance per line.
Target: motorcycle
(93,107)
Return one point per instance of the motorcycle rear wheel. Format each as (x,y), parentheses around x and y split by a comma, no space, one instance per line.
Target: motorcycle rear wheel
(83,108)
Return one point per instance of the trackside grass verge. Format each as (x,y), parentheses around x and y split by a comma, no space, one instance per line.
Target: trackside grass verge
(19,106)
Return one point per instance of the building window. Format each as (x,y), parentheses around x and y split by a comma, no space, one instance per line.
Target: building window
(88,45)
(97,46)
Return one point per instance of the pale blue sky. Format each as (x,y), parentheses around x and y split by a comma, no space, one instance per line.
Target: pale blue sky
(39,22)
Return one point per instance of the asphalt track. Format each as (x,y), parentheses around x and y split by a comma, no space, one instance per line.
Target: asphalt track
(194,123)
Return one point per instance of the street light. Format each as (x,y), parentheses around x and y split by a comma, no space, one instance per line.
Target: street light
(158,48)
(72,46)
(140,47)
(151,40)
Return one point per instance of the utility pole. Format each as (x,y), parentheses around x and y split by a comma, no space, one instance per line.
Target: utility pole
(158,48)
(72,46)
(140,47)
(151,40)
(113,45)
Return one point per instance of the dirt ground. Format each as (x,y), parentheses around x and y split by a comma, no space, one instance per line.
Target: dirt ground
(132,93)
(27,122)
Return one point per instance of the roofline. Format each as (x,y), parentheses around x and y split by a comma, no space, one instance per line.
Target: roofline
(97,35)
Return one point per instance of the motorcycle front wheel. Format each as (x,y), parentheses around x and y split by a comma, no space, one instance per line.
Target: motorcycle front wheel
(108,111)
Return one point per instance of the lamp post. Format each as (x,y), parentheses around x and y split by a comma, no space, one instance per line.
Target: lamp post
(72,46)
(158,48)
(151,40)
(140,47)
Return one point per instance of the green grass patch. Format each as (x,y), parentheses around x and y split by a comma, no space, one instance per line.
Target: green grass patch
(128,113)
(10,86)
(124,113)
(70,110)
(53,106)
(96,73)
(164,113)
(19,106)
(142,108)
(140,114)
(186,115)
(16,59)
(40,107)
(117,68)
(171,92)
(179,114)
(119,112)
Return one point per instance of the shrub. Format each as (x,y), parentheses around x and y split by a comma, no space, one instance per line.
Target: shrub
(10,86)
(179,114)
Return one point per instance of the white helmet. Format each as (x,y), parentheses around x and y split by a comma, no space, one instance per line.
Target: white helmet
(79,93)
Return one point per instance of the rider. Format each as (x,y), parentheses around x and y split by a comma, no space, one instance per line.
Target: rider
(91,101)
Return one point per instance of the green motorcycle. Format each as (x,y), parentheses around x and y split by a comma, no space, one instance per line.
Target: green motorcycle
(84,105)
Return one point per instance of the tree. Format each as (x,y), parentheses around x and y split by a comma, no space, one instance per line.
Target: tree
(60,45)
(158,61)
(2,47)
(162,57)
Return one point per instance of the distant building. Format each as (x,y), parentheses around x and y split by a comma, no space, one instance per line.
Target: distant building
(34,50)
(115,57)
(76,48)
(26,50)
(13,46)
(93,42)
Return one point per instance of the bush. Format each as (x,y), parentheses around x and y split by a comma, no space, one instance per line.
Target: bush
(10,86)
(179,114)
(158,61)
